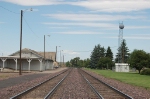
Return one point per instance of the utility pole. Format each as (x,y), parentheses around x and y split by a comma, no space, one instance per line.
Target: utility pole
(44,49)
(60,58)
(56,54)
(20,41)
(63,59)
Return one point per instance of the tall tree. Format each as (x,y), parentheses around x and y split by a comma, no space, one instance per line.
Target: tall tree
(72,62)
(109,53)
(123,54)
(139,59)
(68,64)
(105,62)
(97,53)
(93,58)
(86,62)
(76,62)
(102,52)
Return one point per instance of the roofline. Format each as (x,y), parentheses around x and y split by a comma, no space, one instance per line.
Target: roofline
(29,50)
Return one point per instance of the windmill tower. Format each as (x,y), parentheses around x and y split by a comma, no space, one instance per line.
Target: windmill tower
(120,40)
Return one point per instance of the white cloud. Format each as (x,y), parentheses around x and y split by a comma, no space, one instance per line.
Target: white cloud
(114,5)
(92,17)
(33,2)
(141,35)
(138,38)
(96,5)
(87,24)
(79,32)
(70,52)
(131,37)
(97,25)
(137,27)
(58,27)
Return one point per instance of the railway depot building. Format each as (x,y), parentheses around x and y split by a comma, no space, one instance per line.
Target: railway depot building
(30,60)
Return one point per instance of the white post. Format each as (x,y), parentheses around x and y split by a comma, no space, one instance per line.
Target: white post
(16,63)
(40,60)
(29,60)
(3,59)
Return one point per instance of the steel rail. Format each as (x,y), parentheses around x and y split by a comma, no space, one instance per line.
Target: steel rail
(32,88)
(97,93)
(113,88)
(52,91)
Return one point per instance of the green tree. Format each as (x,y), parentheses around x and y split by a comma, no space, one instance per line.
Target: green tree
(139,59)
(102,52)
(94,57)
(73,62)
(68,64)
(80,63)
(86,63)
(76,62)
(123,54)
(105,62)
(97,53)
(109,53)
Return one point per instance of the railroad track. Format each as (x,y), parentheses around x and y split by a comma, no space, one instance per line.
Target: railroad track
(44,89)
(103,90)
(72,84)
(74,87)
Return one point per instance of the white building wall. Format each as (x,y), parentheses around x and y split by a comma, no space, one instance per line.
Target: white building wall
(25,65)
(35,65)
(11,64)
(121,67)
(51,65)
(1,63)
(43,66)
(48,65)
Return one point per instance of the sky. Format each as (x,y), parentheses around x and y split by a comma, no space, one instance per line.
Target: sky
(74,26)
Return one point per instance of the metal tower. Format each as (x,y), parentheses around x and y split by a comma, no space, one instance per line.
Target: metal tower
(120,40)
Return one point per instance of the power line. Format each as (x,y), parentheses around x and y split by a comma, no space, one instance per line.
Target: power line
(9,10)
(23,18)
(32,30)
(30,27)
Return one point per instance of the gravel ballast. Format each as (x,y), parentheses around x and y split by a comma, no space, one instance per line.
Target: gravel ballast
(133,91)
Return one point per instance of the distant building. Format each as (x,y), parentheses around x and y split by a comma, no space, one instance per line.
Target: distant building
(121,67)
(31,60)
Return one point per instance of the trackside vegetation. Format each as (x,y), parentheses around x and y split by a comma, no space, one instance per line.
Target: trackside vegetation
(102,58)
(101,62)
(130,78)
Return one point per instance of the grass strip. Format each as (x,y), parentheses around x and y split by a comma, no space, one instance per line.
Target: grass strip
(127,77)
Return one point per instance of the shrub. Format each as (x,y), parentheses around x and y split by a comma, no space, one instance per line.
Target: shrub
(145,72)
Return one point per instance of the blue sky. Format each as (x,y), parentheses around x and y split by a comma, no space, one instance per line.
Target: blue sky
(75,25)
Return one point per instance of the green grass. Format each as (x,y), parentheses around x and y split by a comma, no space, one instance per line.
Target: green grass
(130,78)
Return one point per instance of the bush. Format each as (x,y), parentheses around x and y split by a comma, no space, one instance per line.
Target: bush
(145,72)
